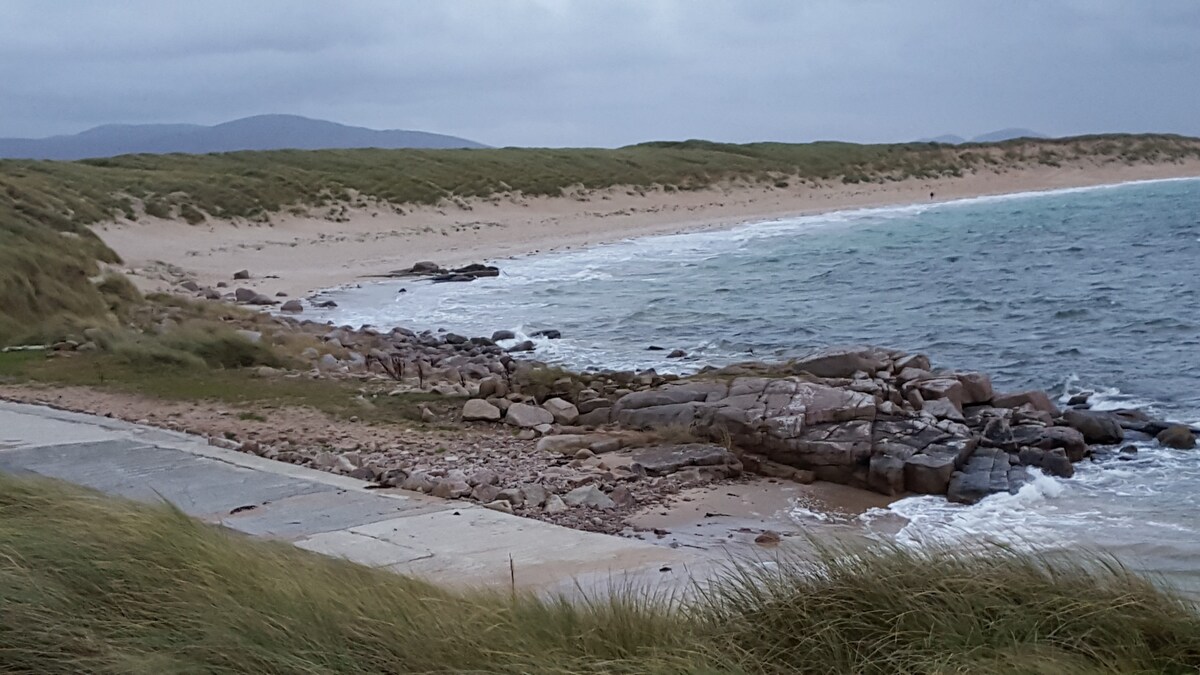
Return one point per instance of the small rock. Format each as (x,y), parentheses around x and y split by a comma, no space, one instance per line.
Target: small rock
(677,354)
(483,477)
(503,335)
(514,496)
(555,505)
(485,493)
(418,482)
(241,274)
(534,495)
(292,306)
(622,497)
(499,505)
(589,496)
(768,538)
(549,334)
(450,489)
(584,453)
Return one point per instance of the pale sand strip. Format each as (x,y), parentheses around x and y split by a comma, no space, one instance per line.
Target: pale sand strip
(311,253)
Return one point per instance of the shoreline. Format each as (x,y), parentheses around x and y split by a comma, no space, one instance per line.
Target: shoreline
(300,256)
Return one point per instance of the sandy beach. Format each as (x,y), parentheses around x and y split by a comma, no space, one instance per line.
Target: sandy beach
(299,255)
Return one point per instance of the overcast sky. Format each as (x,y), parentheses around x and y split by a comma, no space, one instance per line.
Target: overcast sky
(609,72)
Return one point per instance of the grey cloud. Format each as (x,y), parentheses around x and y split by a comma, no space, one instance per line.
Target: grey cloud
(578,72)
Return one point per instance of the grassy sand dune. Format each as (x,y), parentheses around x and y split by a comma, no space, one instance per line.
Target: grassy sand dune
(48,254)
(93,584)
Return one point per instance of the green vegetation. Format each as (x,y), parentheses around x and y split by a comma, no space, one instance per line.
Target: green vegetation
(47,254)
(93,584)
(149,369)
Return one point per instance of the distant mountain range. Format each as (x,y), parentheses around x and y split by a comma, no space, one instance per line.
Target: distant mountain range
(261,132)
(990,137)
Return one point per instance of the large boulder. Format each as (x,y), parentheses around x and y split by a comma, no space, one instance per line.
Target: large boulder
(987,472)
(564,412)
(885,474)
(1096,426)
(425,267)
(527,416)
(1052,462)
(977,388)
(1177,436)
(670,395)
(479,410)
(1037,399)
(943,388)
(929,474)
(1071,441)
(841,362)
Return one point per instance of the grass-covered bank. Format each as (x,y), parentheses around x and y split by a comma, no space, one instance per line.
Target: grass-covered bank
(173,349)
(92,584)
(49,259)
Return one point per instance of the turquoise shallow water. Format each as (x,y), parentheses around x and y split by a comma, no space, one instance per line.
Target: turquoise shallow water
(1095,289)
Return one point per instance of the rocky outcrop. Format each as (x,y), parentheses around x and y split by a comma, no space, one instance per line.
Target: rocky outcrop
(437,273)
(878,419)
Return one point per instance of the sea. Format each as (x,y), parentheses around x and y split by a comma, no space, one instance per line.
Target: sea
(1078,290)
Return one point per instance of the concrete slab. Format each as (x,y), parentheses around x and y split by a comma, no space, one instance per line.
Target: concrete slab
(197,485)
(480,545)
(363,549)
(312,513)
(451,543)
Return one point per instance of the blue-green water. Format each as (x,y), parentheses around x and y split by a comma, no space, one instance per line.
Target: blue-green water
(1093,289)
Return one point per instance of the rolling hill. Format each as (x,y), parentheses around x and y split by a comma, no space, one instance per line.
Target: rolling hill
(261,132)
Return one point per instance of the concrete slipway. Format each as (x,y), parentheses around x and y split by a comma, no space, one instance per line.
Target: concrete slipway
(446,542)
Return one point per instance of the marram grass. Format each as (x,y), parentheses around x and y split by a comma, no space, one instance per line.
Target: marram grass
(93,584)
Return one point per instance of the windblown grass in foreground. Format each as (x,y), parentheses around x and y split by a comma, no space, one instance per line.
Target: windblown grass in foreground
(92,584)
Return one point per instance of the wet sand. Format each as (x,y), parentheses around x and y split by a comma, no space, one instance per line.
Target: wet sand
(728,518)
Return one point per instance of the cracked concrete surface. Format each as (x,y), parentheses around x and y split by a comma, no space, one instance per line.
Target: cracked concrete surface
(446,542)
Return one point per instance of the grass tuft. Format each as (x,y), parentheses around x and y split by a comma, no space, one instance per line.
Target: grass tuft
(93,584)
